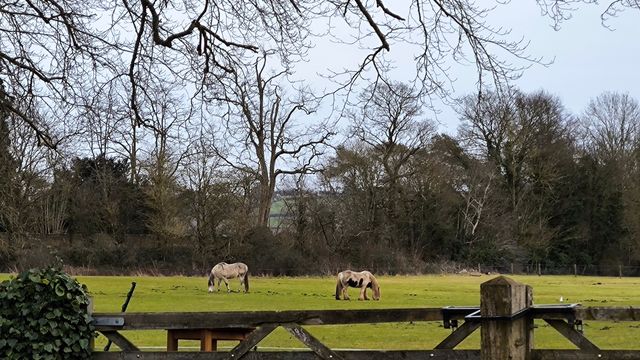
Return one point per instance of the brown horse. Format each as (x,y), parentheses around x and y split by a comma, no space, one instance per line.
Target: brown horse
(362,280)
(223,271)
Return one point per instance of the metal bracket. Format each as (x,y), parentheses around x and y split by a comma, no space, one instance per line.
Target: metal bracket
(108,321)
(476,316)
(577,324)
(451,315)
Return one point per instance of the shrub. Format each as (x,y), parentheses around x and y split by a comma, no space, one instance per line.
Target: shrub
(44,315)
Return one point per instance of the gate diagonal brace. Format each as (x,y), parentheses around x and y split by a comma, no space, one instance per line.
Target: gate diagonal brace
(314,344)
(458,335)
(569,332)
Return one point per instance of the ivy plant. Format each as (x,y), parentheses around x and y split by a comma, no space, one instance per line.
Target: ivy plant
(44,315)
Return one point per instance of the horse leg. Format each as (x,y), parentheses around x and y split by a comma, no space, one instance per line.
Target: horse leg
(219,281)
(345,294)
(227,284)
(363,293)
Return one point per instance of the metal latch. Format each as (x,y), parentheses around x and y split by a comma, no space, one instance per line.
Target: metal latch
(108,321)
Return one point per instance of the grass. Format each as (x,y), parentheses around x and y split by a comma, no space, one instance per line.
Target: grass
(157,294)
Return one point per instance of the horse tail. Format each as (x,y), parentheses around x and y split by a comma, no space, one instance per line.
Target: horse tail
(375,287)
(338,286)
(246,281)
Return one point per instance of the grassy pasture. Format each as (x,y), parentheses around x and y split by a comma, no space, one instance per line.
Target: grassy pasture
(157,294)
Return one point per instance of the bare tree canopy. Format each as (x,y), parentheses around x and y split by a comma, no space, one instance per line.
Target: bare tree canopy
(612,122)
(393,125)
(53,53)
(46,49)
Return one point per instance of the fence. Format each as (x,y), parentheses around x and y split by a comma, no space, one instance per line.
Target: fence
(505,318)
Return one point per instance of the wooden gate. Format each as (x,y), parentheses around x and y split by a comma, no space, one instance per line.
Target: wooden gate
(505,318)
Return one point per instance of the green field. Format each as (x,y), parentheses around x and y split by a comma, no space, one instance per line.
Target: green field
(156,294)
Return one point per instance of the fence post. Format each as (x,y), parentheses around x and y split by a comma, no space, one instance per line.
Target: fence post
(90,305)
(505,338)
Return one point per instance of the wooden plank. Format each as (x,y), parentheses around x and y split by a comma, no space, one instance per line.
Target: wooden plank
(572,334)
(314,344)
(251,340)
(190,320)
(608,313)
(121,341)
(583,355)
(296,355)
(458,335)
(371,355)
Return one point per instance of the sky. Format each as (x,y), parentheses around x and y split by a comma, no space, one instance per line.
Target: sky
(585,58)
(588,58)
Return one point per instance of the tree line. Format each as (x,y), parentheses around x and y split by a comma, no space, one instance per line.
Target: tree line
(522,181)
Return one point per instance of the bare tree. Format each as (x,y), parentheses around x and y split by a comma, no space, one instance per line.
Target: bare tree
(110,124)
(211,194)
(507,131)
(264,135)
(476,194)
(23,189)
(612,124)
(166,120)
(527,138)
(612,136)
(391,124)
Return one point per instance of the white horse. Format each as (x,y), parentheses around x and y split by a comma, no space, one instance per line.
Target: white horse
(362,280)
(223,271)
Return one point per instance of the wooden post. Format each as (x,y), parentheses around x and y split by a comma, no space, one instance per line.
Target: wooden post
(539,270)
(575,270)
(92,343)
(620,271)
(501,337)
(511,268)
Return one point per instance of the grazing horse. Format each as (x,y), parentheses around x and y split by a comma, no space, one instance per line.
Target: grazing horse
(362,280)
(223,271)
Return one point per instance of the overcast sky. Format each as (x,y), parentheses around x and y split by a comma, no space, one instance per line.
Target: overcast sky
(587,57)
